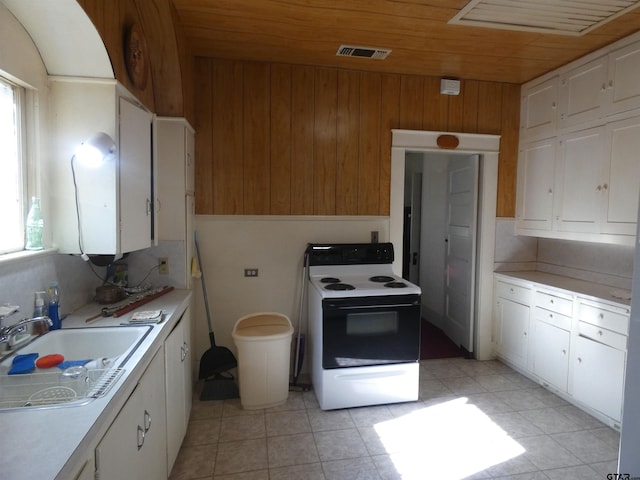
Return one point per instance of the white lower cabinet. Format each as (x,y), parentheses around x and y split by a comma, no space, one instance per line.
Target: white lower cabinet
(512,330)
(136,443)
(598,360)
(551,337)
(178,385)
(550,351)
(598,376)
(511,322)
(574,345)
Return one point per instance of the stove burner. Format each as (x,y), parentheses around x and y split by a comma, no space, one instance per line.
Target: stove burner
(329,280)
(395,285)
(339,286)
(381,279)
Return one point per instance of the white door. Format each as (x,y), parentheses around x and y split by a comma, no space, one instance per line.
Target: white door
(536,173)
(581,187)
(583,92)
(623,187)
(538,109)
(624,72)
(462,208)
(135,177)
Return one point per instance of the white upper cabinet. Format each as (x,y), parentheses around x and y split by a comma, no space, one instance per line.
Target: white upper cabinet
(538,109)
(135,176)
(590,142)
(583,93)
(536,174)
(103,210)
(623,185)
(174,156)
(624,76)
(581,181)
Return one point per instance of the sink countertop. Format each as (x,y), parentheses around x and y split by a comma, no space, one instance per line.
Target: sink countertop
(54,443)
(591,290)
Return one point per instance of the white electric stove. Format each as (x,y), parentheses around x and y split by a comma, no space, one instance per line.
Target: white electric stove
(364,326)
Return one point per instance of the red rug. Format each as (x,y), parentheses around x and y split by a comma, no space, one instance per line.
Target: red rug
(435,344)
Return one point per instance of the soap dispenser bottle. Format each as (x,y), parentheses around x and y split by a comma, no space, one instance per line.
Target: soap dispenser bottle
(54,305)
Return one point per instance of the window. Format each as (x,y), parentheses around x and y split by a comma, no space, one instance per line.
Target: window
(12,206)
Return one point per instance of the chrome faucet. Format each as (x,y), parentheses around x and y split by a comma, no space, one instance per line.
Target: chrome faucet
(18,333)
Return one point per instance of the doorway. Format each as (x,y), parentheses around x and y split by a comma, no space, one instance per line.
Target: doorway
(441,193)
(486,147)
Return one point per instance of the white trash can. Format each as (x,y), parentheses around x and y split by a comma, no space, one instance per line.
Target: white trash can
(264,349)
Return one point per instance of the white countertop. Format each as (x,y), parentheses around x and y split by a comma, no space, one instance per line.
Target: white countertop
(53,443)
(591,290)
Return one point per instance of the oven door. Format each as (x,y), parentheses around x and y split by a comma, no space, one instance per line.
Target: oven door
(362,331)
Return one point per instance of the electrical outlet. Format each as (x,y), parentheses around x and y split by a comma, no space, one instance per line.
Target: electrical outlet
(250,272)
(374,237)
(163,263)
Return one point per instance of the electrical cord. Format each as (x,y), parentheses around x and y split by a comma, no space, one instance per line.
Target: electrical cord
(75,189)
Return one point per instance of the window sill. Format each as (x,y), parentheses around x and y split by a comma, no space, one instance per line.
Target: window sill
(16,257)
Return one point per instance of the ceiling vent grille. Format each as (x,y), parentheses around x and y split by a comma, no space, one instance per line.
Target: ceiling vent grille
(363,52)
(563,17)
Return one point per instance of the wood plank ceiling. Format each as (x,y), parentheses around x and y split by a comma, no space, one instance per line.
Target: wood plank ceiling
(309,32)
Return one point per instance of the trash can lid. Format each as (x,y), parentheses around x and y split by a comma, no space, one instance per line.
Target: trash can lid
(257,326)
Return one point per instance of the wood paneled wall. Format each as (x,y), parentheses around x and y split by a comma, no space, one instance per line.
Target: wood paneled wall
(278,139)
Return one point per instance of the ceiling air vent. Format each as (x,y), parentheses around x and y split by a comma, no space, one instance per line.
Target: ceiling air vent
(364,52)
(563,17)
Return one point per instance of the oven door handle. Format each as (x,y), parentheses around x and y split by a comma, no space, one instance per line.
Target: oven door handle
(369,307)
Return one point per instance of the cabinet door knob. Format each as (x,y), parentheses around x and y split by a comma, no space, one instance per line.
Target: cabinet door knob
(147,421)
(140,437)
(564,352)
(600,332)
(579,360)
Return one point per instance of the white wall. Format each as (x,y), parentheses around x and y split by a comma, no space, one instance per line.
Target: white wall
(275,246)
(20,278)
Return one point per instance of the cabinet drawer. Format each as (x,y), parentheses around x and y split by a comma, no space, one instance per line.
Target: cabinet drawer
(554,303)
(602,335)
(514,292)
(612,318)
(553,318)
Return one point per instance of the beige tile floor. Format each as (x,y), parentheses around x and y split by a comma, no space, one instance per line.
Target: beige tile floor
(474,420)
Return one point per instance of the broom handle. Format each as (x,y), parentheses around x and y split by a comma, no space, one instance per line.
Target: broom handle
(204,289)
(297,366)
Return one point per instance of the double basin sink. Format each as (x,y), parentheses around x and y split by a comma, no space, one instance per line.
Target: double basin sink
(95,359)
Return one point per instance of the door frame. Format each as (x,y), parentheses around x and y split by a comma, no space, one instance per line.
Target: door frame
(488,147)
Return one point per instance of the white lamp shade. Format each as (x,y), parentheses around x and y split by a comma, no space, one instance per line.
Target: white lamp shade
(95,149)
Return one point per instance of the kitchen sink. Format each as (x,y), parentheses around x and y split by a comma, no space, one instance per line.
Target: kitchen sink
(107,350)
